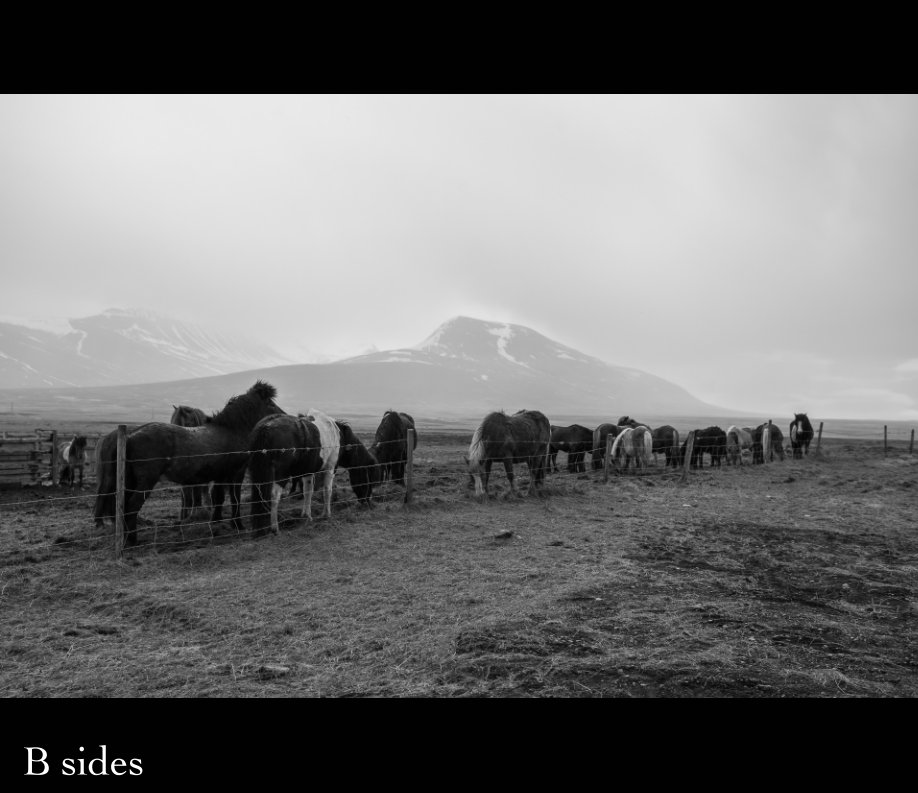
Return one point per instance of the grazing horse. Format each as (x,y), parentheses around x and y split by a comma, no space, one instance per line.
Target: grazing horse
(801,433)
(627,421)
(763,438)
(666,440)
(301,447)
(576,440)
(632,444)
(600,434)
(217,452)
(390,447)
(185,416)
(712,440)
(738,439)
(72,457)
(523,437)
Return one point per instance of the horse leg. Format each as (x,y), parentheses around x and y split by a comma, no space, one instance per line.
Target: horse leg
(308,487)
(217,496)
(508,467)
(327,487)
(236,501)
(277,491)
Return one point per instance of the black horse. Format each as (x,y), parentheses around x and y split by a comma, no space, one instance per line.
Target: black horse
(217,452)
(186,416)
(801,433)
(712,440)
(521,438)
(301,447)
(576,440)
(390,446)
(600,434)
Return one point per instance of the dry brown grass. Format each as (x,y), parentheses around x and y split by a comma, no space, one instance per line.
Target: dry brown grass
(792,579)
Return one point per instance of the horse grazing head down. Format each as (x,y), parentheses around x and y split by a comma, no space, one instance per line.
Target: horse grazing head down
(187,416)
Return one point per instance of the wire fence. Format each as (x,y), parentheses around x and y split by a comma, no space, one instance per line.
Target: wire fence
(63,517)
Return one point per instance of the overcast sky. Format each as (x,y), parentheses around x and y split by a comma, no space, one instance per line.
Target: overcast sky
(760,251)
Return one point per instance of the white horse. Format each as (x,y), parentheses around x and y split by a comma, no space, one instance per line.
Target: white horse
(738,439)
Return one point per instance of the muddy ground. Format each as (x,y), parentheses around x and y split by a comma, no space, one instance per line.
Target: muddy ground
(793,579)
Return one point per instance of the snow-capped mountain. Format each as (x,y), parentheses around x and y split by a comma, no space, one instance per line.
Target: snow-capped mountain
(120,347)
(467,367)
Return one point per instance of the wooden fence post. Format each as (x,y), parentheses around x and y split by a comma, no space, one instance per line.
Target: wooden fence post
(689,444)
(54,472)
(769,454)
(409,467)
(885,448)
(607,461)
(121,451)
(819,437)
(911,443)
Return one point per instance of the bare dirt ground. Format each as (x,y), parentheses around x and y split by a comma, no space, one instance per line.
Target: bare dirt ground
(792,579)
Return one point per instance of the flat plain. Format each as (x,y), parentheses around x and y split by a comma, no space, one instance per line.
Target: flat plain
(798,578)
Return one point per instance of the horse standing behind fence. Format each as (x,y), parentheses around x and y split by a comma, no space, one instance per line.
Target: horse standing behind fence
(738,439)
(521,438)
(303,447)
(576,440)
(72,458)
(801,434)
(390,446)
(600,434)
(666,440)
(632,445)
(216,452)
(186,416)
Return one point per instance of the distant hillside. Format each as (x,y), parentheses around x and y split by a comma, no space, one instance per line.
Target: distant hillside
(467,367)
(120,347)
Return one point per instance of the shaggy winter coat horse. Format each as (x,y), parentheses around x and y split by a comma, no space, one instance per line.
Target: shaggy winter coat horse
(186,416)
(600,434)
(576,440)
(390,446)
(303,447)
(801,434)
(523,437)
(216,452)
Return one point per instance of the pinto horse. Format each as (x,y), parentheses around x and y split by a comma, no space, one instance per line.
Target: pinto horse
(801,433)
(217,452)
(599,443)
(390,446)
(185,416)
(576,440)
(738,439)
(523,437)
(632,444)
(72,457)
(764,438)
(303,447)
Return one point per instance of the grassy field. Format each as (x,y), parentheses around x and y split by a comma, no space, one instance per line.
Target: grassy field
(796,578)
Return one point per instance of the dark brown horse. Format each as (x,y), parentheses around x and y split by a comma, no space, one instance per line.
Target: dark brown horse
(576,440)
(186,416)
(390,446)
(216,452)
(600,434)
(521,438)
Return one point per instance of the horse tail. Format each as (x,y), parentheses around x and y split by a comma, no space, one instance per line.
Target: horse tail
(476,449)
(106,473)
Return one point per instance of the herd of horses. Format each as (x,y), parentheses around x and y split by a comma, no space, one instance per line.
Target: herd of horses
(528,437)
(253,435)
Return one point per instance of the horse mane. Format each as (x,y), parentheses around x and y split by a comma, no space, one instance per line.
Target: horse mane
(243,411)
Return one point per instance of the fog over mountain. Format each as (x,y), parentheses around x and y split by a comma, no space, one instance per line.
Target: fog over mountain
(465,367)
(119,347)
